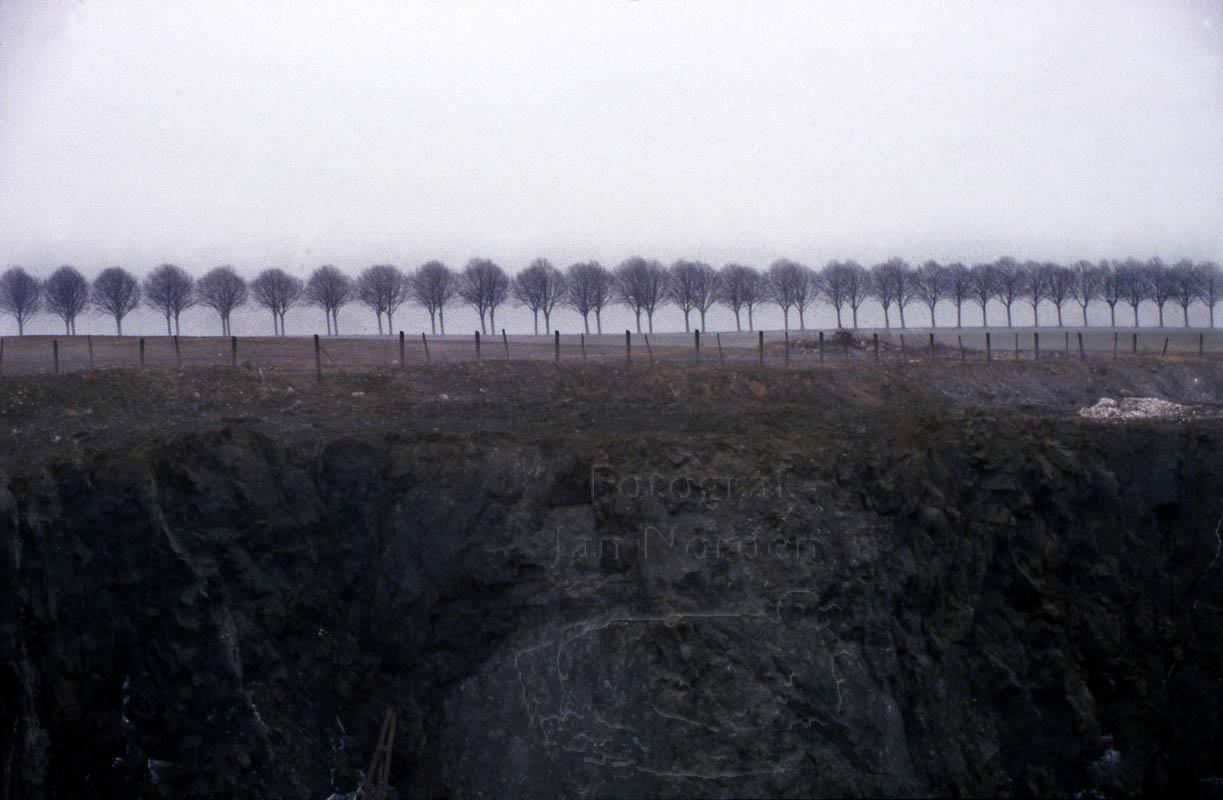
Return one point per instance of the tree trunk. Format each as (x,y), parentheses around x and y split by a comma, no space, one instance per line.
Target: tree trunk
(1035,316)
(335,322)
(586,322)
(839,326)
(933,322)
(1008,315)
(535,319)
(118,325)
(1059,316)
(855,311)
(959,315)
(1084,314)
(492,324)
(686,328)
(1161,315)
(638,313)
(378,314)
(738,327)
(20,327)
(599,320)
(785,315)
(275,324)
(441,320)
(650,320)
(390,324)
(169,332)
(751,326)
(547,320)
(902,315)
(1185,313)
(177,329)
(802,324)
(702,320)
(1112,311)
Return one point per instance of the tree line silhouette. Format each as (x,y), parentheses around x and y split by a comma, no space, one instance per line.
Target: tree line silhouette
(642,285)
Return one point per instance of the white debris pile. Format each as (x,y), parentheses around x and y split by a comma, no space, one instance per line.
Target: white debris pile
(1138,408)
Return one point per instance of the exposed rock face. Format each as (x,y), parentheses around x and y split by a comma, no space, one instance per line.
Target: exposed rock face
(973,608)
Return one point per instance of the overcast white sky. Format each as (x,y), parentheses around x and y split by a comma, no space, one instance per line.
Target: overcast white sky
(299,133)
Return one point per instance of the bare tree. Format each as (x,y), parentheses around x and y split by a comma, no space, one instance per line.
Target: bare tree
(641,285)
(277,291)
(222,290)
(693,285)
(1008,284)
(116,292)
(893,284)
(66,293)
(1034,286)
(789,282)
(589,287)
(930,286)
(1110,287)
(1058,283)
(834,287)
(434,286)
(20,295)
(983,286)
(959,288)
(1184,277)
(740,287)
(539,287)
(1084,285)
(170,290)
(383,288)
(1160,285)
(1131,276)
(1210,284)
(329,289)
(846,283)
(484,286)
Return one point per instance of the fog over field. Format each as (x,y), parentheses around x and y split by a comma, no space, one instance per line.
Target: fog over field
(297,134)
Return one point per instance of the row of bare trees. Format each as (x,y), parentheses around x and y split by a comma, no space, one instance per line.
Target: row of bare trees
(642,285)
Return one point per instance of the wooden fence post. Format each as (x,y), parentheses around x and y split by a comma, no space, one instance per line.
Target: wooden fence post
(721,363)
(931,346)
(821,347)
(1134,343)
(628,346)
(875,336)
(697,339)
(233,351)
(55,354)
(787,361)
(1,354)
(583,340)
(960,341)
(1165,352)
(1116,338)
(989,349)
(425,341)
(142,352)
(1201,345)
(477,345)
(401,355)
(556,345)
(178,354)
(760,347)
(904,353)
(506,342)
(1016,347)
(1081,354)
(318,358)
(649,350)
(1035,346)
(89,341)
(1067,344)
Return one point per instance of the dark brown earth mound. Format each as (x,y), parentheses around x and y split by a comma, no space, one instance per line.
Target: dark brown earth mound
(911,580)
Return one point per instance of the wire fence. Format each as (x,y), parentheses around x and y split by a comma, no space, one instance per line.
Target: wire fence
(324,355)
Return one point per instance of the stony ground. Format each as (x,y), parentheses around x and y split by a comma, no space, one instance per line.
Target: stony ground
(911,580)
